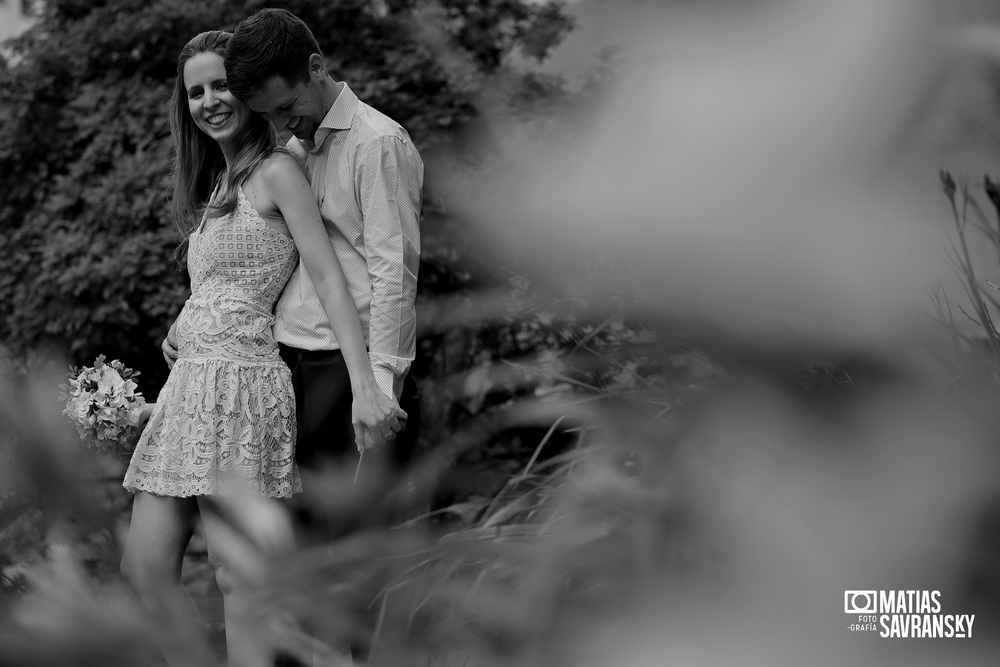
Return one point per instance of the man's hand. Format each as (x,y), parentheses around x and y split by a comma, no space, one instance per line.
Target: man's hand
(376,418)
(169,345)
(371,438)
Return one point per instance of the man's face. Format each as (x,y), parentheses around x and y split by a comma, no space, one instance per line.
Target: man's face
(295,107)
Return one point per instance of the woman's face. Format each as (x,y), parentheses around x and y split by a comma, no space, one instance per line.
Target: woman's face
(213,108)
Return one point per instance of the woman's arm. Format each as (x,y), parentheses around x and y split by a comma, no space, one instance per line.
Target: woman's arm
(286,185)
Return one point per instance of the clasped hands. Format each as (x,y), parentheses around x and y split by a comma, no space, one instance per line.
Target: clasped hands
(376,418)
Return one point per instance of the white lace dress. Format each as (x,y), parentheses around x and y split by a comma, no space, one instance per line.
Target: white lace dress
(227,409)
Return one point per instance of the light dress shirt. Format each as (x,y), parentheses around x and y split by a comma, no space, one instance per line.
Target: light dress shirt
(368,180)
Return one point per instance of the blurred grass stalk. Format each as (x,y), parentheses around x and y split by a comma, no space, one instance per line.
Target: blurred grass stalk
(980,292)
(734,182)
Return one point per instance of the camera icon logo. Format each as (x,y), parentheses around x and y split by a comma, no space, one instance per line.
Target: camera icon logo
(860,602)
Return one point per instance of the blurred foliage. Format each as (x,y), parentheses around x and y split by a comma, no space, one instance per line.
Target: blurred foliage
(84,149)
(973,225)
(698,503)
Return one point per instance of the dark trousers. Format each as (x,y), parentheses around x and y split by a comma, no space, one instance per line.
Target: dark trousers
(323,411)
(325,434)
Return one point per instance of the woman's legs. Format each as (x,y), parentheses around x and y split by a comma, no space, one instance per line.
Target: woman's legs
(157,538)
(247,639)
(154,552)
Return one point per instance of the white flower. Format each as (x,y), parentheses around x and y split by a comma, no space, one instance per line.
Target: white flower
(81,407)
(110,383)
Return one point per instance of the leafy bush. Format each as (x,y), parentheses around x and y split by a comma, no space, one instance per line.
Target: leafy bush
(84,154)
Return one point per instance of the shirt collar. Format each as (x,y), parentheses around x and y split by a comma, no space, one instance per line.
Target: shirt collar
(339,117)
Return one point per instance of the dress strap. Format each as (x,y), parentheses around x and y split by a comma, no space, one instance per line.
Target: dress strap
(211,198)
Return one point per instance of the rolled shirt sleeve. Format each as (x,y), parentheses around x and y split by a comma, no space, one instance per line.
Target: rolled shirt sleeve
(390,185)
(367,177)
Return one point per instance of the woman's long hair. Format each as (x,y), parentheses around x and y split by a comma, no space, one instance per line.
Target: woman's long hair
(199,165)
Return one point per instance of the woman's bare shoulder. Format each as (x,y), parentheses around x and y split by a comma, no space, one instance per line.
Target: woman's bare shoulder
(281,162)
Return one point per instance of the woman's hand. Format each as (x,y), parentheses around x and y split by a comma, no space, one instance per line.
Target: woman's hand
(376,417)
(169,345)
(133,440)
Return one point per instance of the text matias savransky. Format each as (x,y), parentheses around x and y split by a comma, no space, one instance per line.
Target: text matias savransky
(910,614)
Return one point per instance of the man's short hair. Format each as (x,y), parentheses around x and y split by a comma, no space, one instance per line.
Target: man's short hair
(271,42)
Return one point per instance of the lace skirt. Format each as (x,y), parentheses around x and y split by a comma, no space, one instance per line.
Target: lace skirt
(219,423)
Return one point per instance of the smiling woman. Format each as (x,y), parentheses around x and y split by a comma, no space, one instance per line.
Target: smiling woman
(230,146)
(212,107)
(225,421)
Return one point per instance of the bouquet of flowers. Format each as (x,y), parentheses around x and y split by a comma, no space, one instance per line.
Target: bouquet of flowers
(103,404)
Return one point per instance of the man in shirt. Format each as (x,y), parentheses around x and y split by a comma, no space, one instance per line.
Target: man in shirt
(367,177)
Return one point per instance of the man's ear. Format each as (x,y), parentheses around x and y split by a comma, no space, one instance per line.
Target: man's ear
(317,67)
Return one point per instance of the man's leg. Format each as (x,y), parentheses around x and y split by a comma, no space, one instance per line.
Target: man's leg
(404,445)
(322,407)
(323,413)
(326,434)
